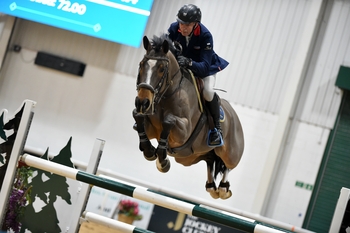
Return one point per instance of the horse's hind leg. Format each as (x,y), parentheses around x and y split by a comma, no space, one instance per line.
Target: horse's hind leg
(224,187)
(215,165)
(210,184)
(145,145)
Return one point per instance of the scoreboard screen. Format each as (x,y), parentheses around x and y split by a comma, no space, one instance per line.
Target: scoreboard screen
(120,21)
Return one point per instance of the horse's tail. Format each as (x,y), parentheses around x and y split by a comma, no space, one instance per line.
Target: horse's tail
(219,165)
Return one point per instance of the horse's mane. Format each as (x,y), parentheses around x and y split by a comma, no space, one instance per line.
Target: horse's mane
(157,43)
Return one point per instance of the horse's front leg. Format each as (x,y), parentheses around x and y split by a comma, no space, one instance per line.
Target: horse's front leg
(163,163)
(145,145)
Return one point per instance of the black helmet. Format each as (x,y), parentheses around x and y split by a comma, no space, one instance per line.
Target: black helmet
(189,13)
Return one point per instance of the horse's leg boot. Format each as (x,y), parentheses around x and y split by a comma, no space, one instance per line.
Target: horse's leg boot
(215,136)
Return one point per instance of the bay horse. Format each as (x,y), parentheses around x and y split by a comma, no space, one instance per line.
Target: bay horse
(168,109)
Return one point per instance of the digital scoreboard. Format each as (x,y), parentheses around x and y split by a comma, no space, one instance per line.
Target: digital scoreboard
(120,21)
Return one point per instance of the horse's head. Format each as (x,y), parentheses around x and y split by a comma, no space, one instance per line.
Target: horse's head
(156,73)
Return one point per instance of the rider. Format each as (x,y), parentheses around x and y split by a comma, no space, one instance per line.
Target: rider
(198,56)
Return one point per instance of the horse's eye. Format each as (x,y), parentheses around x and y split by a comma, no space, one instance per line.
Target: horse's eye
(161,69)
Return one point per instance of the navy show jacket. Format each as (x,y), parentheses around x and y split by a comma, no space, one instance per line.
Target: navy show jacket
(200,49)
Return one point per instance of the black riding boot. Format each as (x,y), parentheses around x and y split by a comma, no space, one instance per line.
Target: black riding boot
(215,136)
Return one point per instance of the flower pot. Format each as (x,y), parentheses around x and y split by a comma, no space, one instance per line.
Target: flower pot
(125,218)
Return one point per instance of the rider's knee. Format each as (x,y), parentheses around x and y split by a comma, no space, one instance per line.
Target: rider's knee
(208,95)
(208,91)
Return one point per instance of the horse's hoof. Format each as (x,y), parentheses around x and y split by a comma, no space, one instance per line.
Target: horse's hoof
(213,193)
(164,166)
(224,190)
(211,189)
(150,158)
(224,194)
(150,154)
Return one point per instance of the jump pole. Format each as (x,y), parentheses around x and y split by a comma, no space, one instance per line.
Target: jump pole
(148,196)
(111,223)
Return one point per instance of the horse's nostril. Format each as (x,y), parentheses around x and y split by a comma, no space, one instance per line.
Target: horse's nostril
(138,104)
(146,103)
(137,101)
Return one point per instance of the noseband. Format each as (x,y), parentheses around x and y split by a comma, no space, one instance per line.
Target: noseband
(157,94)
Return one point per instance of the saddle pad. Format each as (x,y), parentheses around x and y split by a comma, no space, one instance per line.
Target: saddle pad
(222,115)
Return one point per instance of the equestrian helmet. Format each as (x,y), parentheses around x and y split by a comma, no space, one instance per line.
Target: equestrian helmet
(189,13)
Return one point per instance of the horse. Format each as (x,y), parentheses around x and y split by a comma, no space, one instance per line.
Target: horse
(168,109)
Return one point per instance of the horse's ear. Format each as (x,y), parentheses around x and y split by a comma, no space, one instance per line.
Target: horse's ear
(165,46)
(146,43)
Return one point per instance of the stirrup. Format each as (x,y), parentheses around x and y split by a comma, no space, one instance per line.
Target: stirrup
(211,131)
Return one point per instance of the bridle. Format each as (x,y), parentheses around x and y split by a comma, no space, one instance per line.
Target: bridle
(158,95)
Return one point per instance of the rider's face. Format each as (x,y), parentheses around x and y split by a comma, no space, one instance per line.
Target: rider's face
(186,29)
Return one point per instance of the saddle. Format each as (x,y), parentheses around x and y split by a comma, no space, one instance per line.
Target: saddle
(186,149)
(199,87)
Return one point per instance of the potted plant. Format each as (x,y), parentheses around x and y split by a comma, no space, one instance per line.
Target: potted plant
(128,211)
(18,199)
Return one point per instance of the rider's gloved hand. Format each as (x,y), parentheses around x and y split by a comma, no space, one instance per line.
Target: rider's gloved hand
(184,61)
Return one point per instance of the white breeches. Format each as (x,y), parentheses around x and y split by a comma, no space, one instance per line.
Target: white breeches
(209,83)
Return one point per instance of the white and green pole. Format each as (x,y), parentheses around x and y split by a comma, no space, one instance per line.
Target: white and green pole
(182,206)
(111,223)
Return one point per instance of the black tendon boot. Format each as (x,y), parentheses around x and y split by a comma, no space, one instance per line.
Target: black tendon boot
(215,136)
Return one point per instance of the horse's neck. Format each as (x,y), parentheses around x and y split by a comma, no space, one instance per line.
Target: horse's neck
(181,78)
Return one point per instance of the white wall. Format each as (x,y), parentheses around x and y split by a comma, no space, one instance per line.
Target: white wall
(260,39)
(332,49)
(6,25)
(289,200)
(312,120)
(99,104)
